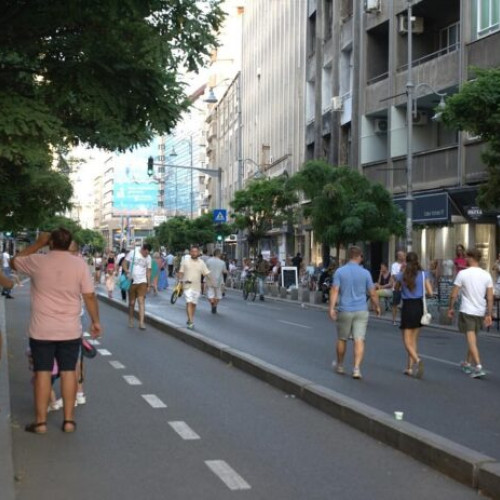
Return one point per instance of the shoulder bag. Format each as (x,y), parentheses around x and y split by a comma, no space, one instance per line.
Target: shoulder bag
(125,282)
(427,316)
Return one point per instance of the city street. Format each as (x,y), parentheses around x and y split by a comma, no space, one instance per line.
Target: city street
(164,420)
(301,340)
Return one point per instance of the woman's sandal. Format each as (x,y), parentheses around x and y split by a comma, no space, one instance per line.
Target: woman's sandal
(34,428)
(68,422)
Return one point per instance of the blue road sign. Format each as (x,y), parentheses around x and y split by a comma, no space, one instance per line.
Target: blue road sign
(220,215)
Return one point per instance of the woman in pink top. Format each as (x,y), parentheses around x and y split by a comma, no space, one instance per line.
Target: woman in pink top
(460,260)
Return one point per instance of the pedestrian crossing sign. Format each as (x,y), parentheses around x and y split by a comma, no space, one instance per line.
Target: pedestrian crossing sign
(220,215)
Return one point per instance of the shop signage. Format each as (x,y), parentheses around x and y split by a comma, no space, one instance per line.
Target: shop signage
(474,212)
(428,208)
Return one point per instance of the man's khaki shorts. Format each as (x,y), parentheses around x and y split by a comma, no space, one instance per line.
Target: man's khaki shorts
(137,290)
(469,323)
(352,325)
(214,292)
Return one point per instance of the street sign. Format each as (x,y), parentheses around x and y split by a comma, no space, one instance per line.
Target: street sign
(220,215)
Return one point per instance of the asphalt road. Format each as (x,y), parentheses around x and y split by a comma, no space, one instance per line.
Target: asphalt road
(302,340)
(208,431)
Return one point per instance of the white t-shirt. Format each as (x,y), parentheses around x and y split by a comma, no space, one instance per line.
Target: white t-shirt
(141,265)
(395,269)
(5,259)
(473,283)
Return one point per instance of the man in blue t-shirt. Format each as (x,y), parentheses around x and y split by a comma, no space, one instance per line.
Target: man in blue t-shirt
(351,284)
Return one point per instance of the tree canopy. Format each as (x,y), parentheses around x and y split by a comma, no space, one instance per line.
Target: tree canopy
(98,72)
(262,205)
(344,207)
(476,109)
(179,233)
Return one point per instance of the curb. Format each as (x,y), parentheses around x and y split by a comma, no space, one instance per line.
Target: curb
(463,464)
(6,457)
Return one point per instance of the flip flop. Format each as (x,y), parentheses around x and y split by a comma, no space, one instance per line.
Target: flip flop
(68,422)
(33,428)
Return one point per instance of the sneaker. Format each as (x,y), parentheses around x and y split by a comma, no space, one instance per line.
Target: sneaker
(261,297)
(466,367)
(214,309)
(81,399)
(55,405)
(419,372)
(338,368)
(478,372)
(356,373)
(190,325)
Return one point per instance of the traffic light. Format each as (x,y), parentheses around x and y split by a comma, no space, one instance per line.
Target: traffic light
(219,238)
(151,169)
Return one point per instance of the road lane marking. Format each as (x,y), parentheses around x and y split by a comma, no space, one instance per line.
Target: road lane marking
(439,360)
(103,352)
(132,380)
(184,431)
(117,365)
(94,342)
(227,475)
(294,324)
(154,401)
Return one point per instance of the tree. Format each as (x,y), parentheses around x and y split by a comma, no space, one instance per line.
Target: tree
(91,239)
(476,109)
(99,72)
(262,205)
(179,233)
(344,207)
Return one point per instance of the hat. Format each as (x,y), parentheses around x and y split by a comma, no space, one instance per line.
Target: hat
(88,350)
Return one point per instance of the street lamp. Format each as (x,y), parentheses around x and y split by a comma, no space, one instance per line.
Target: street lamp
(411,113)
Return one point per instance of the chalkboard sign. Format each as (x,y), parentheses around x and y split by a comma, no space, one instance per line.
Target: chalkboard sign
(444,291)
(289,277)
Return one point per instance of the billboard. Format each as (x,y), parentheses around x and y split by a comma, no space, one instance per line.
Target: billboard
(133,191)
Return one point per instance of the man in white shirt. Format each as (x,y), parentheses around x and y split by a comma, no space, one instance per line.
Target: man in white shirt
(217,268)
(137,266)
(396,268)
(191,271)
(476,307)
(6,292)
(170,263)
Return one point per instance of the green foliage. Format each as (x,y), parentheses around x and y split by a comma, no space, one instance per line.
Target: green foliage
(344,207)
(476,109)
(93,239)
(58,221)
(179,233)
(262,205)
(99,72)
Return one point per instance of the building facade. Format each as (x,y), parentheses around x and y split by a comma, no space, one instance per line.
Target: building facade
(356,109)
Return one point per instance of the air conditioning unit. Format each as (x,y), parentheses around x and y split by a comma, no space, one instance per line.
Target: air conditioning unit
(469,136)
(371,6)
(380,126)
(337,103)
(417,26)
(421,118)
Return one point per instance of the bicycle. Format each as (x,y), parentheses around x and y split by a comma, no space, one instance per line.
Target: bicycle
(177,292)
(250,287)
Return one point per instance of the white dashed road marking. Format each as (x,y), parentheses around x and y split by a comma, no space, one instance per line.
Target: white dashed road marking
(94,342)
(227,475)
(103,352)
(132,380)
(184,431)
(154,401)
(117,365)
(294,324)
(86,334)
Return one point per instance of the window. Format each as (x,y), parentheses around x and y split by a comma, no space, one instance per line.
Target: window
(488,16)
(449,37)
(311,45)
(328,19)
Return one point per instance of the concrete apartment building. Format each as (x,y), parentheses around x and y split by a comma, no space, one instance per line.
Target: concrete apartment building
(356,104)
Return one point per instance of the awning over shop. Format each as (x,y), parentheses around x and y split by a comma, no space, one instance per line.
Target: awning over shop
(428,208)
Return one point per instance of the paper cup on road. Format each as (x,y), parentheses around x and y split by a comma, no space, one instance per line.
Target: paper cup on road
(398,415)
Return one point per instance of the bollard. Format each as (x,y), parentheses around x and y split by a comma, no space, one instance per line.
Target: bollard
(317,298)
(274,290)
(305,295)
(294,294)
(283,292)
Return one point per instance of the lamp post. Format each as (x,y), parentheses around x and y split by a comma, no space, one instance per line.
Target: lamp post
(411,113)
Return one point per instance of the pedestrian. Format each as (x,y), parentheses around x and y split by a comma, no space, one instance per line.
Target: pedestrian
(384,285)
(412,283)
(396,268)
(170,264)
(137,267)
(163,278)
(7,291)
(97,268)
(476,286)
(215,282)
(156,264)
(496,275)
(6,283)
(261,271)
(110,274)
(58,281)
(191,270)
(297,262)
(351,284)
(460,260)
(119,269)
